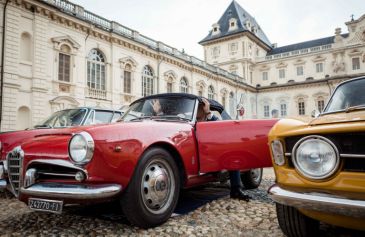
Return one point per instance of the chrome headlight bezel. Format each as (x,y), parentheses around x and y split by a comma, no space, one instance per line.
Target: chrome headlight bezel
(88,148)
(303,172)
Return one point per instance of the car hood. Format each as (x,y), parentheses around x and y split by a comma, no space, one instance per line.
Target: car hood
(116,131)
(55,143)
(343,117)
(12,139)
(326,123)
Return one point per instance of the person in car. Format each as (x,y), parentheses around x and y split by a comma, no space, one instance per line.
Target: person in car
(204,114)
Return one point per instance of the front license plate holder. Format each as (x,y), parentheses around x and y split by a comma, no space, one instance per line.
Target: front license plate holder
(54,206)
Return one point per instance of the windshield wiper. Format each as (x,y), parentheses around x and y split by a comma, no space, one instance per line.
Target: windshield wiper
(43,126)
(354,108)
(141,118)
(171,117)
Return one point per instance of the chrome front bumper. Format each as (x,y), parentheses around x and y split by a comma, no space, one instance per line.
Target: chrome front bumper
(318,202)
(72,191)
(78,191)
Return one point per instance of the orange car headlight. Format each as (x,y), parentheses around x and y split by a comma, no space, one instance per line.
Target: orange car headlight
(315,157)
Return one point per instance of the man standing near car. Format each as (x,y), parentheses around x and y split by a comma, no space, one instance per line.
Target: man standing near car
(204,114)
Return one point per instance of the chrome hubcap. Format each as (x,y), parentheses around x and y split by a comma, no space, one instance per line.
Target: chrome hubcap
(158,186)
(256,174)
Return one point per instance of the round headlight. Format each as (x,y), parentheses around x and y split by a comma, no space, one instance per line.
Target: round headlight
(315,157)
(81,148)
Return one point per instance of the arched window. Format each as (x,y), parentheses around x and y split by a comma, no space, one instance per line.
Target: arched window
(64,63)
(23,118)
(224,100)
(211,92)
(96,70)
(169,84)
(26,47)
(283,109)
(301,106)
(200,90)
(183,85)
(320,103)
(147,81)
(231,104)
(127,79)
(266,110)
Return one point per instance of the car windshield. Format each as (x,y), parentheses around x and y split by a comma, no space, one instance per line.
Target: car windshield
(64,118)
(164,108)
(347,97)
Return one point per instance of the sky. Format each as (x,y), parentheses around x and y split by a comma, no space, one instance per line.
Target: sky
(183,23)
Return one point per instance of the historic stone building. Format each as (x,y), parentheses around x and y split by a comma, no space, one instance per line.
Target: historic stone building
(294,79)
(59,55)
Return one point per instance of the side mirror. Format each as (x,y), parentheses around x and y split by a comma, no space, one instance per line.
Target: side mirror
(315,113)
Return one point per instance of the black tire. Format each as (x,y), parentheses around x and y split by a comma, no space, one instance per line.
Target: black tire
(295,224)
(252,179)
(140,201)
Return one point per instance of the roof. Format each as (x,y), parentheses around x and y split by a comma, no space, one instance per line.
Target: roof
(91,108)
(304,45)
(234,10)
(213,104)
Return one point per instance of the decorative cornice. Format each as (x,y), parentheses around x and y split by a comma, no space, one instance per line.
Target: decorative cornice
(318,58)
(281,65)
(128,60)
(63,39)
(170,74)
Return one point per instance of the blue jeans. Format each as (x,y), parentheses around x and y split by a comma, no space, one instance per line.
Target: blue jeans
(235,179)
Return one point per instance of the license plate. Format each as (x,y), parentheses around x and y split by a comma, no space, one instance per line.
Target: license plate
(45,205)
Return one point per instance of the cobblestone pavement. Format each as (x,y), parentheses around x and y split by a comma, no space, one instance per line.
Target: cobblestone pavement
(221,217)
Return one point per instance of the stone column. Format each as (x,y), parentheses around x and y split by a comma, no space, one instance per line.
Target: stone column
(11,65)
(39,82)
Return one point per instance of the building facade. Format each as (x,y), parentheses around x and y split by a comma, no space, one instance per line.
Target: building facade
(293,80)
(59,55)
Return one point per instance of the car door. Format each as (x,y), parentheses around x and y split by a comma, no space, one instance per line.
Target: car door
(233,144)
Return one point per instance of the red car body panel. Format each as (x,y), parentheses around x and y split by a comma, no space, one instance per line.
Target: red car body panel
(233,145)
(108,165)
(220,145)
(12,139)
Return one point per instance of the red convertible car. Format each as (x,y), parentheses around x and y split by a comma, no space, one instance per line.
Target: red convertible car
(144,160)
(59,120)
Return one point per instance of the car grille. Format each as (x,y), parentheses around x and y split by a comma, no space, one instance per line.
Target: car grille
(15,158)
(347,144)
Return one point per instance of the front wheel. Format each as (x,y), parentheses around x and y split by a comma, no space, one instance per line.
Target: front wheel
(295,224)
(252,179)
(153,191)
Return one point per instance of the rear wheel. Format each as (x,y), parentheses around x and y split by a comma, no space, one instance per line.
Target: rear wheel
(295,224)
(252,179)
(153,191)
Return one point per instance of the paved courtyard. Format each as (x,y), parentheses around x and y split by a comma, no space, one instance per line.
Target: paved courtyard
(220,217)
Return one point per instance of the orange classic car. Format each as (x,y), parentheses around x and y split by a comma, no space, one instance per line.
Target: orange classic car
(320,165)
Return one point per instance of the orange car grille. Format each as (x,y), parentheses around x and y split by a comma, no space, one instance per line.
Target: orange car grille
(348,144)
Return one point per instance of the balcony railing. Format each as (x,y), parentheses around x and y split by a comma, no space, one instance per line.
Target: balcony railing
(96,94)
(111,26)
(296,52)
